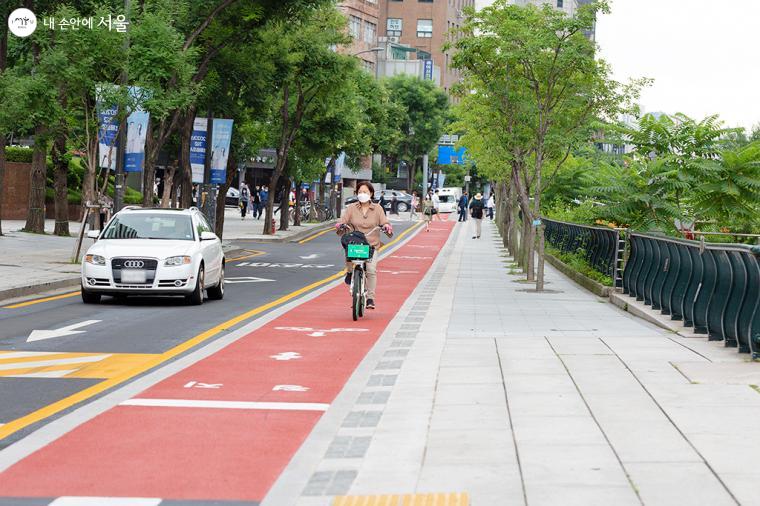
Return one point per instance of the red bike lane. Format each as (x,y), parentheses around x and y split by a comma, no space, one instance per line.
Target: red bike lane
(225,427)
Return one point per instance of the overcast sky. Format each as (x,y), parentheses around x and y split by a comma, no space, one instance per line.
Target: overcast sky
(702,54)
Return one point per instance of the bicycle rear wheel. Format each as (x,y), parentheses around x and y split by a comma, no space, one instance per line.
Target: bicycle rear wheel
(358,292)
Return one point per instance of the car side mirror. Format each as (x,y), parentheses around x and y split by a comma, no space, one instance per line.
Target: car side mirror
(93,234)
(208,236)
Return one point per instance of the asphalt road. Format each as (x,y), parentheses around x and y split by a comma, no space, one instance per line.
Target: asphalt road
(118,336)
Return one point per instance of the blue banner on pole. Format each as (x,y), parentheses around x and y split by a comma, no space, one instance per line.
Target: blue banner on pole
(220,149)
(198,149)
(108,128)
(427,73)
(447,155)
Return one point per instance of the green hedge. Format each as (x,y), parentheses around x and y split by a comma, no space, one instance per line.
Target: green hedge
(14,154)
(579,264)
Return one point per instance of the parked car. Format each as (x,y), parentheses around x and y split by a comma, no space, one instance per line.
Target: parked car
(404,200)
(147,251)
(232,199)
(449,199)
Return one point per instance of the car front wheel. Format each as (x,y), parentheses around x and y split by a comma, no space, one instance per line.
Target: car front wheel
(196,298)
(89,297)
(402,207)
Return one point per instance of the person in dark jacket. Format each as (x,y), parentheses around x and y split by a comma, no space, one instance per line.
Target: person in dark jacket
(463,207)
(476,211)
(256,203)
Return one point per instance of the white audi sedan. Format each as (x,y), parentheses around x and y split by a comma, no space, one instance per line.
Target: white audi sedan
(146,251)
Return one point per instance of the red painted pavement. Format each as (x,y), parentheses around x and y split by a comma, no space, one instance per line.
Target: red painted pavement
(227,454)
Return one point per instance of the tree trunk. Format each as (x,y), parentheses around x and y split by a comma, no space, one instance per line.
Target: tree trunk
(186,170)
(4,13)
(169,174)
(61,168)
(149,171)
(540,268)
(35,216)
(285,204)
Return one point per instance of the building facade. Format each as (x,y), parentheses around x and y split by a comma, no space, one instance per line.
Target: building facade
(425,25)
(362,16)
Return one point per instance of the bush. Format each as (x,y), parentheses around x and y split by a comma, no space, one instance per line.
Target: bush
(578,263)
(17,154)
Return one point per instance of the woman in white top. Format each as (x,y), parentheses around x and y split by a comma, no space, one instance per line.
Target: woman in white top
(490,206)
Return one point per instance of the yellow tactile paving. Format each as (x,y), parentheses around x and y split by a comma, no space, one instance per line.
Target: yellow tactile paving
(440,499)
(31,364)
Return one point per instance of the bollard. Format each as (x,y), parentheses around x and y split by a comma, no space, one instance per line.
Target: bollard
(273,226)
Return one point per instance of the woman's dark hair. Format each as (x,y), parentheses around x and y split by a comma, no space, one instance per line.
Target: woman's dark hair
(369,187)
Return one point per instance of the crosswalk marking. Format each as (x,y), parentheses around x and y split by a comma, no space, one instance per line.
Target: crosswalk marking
(42,364)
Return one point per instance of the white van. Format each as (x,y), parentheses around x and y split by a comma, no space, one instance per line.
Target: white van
(449,198)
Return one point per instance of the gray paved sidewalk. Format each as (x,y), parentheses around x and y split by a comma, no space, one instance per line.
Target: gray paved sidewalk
(522,398)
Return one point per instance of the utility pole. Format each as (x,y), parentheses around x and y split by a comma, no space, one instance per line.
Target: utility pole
(208,195)
(424,176)
(118,187)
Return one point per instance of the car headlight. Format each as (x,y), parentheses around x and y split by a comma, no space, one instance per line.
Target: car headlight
(181,260)
(95,259)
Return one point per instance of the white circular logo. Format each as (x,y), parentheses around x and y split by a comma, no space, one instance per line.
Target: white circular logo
(22,22)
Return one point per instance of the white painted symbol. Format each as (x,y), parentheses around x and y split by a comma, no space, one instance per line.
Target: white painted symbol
(411,258)
(197,384)
(246,279)
(290,388)
(310,257)
(319,332)
(68,330)
(399,272)
(419,246)
(285,266)
(286,355)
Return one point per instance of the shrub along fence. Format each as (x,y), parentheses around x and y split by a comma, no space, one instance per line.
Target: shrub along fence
(602,247)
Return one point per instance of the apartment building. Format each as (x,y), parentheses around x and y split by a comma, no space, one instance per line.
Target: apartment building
(425,25)
(362,18)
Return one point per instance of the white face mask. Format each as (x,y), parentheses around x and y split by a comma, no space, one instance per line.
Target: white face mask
(363,197)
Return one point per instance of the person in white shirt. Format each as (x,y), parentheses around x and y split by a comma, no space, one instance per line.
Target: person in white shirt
(490,206)
(436,205)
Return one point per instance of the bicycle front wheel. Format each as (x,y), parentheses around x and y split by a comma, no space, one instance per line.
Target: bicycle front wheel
(358,293)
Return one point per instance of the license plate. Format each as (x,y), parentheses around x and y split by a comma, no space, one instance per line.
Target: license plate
(358,251)
(133,276)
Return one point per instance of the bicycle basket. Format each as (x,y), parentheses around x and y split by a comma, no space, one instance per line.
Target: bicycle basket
(356,246)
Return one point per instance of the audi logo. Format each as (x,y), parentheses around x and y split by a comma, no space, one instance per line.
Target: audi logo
(134,264)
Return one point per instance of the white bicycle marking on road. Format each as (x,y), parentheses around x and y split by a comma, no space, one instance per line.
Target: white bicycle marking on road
(411,258)
(284,265)
(290,388)
(198,384)
(320,332)
(286,355)
(399,272)
(192,403)
(246,279)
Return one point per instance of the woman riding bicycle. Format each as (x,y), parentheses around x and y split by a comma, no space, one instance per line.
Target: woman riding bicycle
(366,217)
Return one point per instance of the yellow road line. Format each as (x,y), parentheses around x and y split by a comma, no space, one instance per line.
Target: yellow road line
(438,499)
(315,235)
(39,301)
(254,253)
(65,403)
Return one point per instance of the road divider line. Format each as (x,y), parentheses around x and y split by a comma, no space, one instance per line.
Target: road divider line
(51,409)
(40,301)
(254,253)
(321,232)
(192,403)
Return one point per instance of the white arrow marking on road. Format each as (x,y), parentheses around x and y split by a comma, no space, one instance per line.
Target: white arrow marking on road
(290,388)
(248,279)
(319,332)
(196,384)
(68,330)
(310,257)
(286,355)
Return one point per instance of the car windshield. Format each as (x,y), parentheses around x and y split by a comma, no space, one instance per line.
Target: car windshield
(445,198)
(150,226)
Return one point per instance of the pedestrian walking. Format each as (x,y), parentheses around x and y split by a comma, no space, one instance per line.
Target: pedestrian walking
(394,204)
(245,195)
(436,205)
(256,203)
(463,202)
(490,206)
(476,211)
(413,209)
(264,196)
(427,211)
